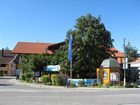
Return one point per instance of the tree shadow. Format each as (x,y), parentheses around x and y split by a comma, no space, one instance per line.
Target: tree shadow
(2,84)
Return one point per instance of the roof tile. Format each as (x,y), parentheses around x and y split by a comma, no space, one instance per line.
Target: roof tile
(31,48)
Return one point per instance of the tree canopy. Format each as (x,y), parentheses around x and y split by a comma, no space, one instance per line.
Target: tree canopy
(131,52)
(91,43)
(31,63)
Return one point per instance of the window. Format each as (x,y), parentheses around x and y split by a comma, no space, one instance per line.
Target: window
(5,72)
(3,65)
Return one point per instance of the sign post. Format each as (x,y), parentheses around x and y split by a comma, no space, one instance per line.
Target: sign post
(125,64)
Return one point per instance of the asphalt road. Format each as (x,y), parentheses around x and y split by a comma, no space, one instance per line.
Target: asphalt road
(13,94)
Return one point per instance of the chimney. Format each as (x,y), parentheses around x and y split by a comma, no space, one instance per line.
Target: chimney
(2,53)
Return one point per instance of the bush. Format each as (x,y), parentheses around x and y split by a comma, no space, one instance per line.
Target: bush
(131,85)
(71,83)
(45,79)
(99,85)
(80,83)
(53,77)
(93,84)
(22,77)
(59,80)
(28,77)
(49,83)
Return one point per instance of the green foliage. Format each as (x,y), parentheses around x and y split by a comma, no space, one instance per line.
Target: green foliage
(57,80)
(131,85)
(99,85)
(94,84)
(131,52)
(22,77)
(71,84)
(60,57)
(53,78)
(91,42)
(30,63)
(49,83)
(28,77)
(45,79)
(80,83)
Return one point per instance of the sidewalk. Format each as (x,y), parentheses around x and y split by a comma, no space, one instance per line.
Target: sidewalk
(37,85)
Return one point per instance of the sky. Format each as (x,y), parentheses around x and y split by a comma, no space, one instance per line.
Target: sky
(48,21)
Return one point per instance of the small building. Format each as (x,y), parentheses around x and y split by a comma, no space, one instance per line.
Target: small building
(109,71)
(7,65)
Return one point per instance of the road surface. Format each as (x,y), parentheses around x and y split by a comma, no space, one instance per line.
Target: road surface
(13,94)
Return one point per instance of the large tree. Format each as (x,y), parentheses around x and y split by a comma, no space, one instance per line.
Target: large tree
(91,44)
(131,52)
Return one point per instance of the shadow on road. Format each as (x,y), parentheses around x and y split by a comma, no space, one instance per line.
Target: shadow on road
(6,77)
(5,84)
(4,80)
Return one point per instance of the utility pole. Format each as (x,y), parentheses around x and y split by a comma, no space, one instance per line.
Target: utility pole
(124,63)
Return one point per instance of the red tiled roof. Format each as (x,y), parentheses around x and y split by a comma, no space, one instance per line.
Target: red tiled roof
(31,48)
(6,57)
(117,53)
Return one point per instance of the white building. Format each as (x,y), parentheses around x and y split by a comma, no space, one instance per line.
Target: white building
(136,64)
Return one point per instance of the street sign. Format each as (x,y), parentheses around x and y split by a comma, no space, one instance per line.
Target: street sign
(125,63)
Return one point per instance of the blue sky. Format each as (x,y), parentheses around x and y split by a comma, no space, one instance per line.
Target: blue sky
(49,20)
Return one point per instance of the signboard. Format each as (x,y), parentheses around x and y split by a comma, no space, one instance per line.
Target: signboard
(52,68)
(87,82)
(105,74)
(114,76)
(125,63)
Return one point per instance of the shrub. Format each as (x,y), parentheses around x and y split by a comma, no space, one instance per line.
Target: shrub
(28,77)
(93,84)
(128,85)
(45,79)
(49,83)
(59,80)
(131,85)
(71,83)
(53,77)
(100,85)
(22,77)
(135,85)
(80,83)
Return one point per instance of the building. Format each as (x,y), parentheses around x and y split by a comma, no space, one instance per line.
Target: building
(135,68)
(118,55)
(7,65)
(50,48)
(31,48)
